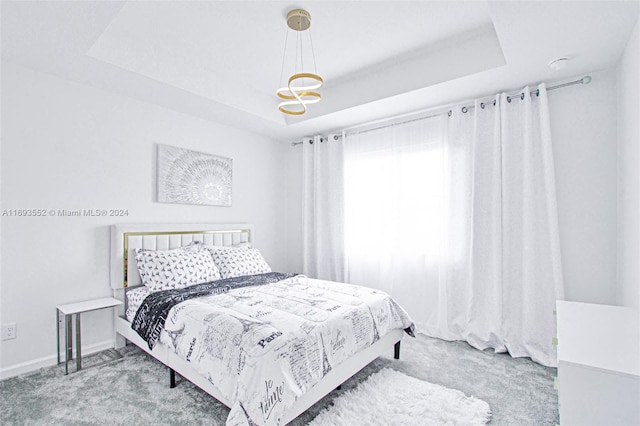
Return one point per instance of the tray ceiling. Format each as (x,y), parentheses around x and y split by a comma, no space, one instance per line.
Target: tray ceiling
(221,60)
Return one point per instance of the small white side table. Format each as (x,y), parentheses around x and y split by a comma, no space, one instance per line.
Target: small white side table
(69,310)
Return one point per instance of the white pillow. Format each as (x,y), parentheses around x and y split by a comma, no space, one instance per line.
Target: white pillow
(177,268)
(235,263)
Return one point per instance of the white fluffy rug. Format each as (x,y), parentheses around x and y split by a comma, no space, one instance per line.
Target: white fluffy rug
(389,397)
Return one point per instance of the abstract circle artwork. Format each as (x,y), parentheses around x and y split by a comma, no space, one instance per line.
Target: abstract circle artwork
(192,177)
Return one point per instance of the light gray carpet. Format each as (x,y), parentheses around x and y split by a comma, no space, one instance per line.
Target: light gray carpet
(134,390)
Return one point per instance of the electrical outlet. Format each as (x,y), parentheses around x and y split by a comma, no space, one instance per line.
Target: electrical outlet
(9,331)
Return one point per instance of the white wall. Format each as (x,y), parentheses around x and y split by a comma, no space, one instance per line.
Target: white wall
(628,97)
(583,126)
(69,146)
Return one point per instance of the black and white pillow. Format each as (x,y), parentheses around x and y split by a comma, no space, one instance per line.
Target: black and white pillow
(235,263)
(177,268)
(135,297)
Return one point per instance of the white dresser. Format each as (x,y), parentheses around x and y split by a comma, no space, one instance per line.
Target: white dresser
(598,364)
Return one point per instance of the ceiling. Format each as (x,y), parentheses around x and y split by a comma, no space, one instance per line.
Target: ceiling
(222,60)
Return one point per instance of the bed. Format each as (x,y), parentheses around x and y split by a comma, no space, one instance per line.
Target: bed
(278,404)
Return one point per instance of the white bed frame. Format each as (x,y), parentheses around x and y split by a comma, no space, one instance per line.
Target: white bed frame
(124,274)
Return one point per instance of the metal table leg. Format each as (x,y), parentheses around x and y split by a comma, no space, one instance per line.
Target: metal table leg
(68,349)
(78,345)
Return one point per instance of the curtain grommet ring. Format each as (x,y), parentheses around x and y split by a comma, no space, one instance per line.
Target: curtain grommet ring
(449,113)
(522,96)
(464,109)
(482,105)
(494,102)
(335,137)
(509,99)
(537,92)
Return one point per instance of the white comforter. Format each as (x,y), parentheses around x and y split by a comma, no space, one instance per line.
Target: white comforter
(264,346)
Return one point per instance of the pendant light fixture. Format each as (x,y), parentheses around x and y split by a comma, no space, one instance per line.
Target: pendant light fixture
(302,84)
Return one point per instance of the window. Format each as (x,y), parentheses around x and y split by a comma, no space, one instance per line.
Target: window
(394,201)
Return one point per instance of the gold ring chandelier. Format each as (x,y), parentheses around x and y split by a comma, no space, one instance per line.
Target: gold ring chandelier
(301,86)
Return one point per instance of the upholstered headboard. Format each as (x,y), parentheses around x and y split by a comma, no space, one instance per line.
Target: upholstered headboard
(126,238)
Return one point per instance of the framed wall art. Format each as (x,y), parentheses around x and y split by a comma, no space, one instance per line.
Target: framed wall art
(192,177)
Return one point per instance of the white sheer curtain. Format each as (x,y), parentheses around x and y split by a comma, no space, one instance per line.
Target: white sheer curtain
(323,208)
(456,218)
(394,210)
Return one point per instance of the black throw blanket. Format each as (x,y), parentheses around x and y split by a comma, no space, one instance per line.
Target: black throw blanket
(152,314)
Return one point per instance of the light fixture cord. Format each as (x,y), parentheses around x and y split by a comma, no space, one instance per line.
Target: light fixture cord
(301,52)
(313,53)
(295,64)
(284,54)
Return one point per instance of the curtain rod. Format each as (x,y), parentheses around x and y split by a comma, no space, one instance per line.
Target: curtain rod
(584,80)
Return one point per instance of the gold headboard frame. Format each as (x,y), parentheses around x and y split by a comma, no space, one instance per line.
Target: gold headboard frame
(120,235)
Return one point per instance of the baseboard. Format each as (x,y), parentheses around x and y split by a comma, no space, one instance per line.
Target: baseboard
(48,361)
